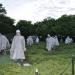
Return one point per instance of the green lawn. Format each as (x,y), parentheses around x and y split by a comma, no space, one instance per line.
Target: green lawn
(53,63)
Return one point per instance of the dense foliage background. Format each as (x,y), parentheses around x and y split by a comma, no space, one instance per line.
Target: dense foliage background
(65,25)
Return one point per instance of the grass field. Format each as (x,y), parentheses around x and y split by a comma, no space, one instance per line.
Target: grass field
(57,62)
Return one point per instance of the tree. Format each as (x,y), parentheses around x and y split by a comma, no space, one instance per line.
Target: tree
(45,27)
(25,27)
(2,9)
(6,23)
(65,25)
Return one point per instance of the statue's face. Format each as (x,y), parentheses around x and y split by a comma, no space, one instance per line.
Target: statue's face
(18,33)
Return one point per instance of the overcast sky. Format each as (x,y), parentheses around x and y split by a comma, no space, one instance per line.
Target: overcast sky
(37,10)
